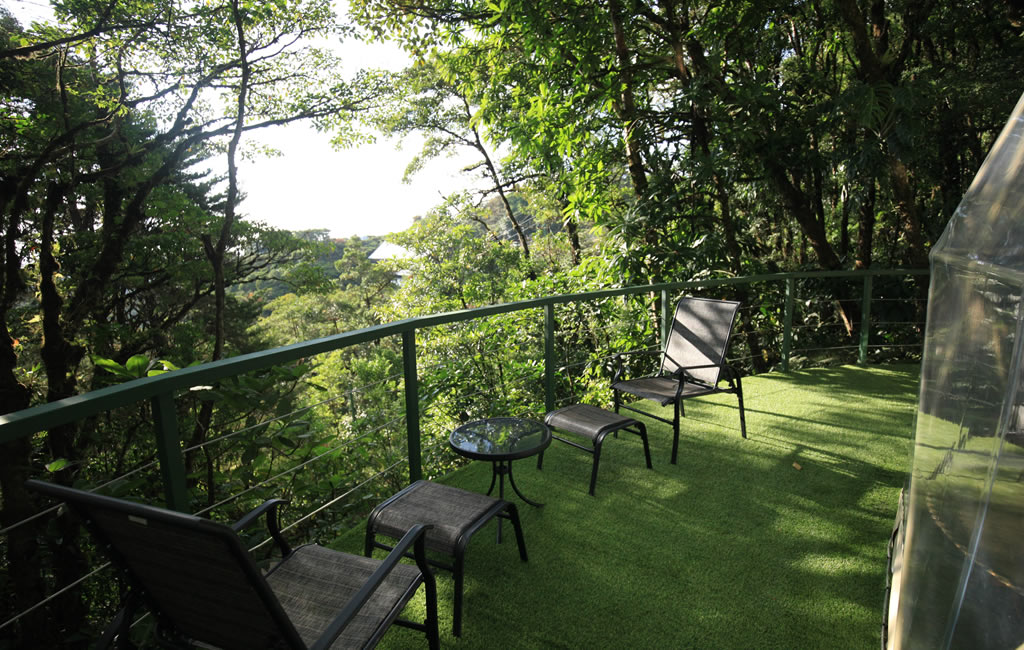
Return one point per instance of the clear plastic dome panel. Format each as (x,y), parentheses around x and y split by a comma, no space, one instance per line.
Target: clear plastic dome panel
(963,577)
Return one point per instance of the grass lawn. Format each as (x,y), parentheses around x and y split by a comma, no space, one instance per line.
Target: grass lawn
(734,547)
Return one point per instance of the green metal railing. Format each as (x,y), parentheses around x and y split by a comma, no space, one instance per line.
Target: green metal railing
(161,390)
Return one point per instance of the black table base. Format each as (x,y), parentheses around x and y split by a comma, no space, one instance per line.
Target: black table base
(499,469)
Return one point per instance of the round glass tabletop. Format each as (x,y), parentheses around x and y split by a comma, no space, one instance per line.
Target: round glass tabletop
(500,438)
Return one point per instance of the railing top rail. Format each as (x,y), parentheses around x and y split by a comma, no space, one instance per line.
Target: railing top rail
(42,417)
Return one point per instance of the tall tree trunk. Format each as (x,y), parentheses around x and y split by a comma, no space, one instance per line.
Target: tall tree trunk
(881,64)
(21,547)
(702,140)
(60,359)
(572,231)
(844,228)
(678,26)
(735,256)
(799,205)
(866,228)
(626,106)
(906,209)
(216,251)
(499,186)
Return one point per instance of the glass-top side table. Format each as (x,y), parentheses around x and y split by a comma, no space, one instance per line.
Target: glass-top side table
(501,440)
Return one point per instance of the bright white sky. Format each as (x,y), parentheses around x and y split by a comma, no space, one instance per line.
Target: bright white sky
(353,191)
(350,192)
(311,186)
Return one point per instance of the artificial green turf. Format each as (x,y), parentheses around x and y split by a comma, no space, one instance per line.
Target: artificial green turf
(733,547)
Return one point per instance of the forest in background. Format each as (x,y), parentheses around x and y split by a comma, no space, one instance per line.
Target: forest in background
(616,142)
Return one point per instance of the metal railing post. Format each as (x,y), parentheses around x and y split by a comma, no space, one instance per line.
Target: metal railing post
(549,358)
(168,451)
(787,323)
(412,404)
(865,320)
(666,318)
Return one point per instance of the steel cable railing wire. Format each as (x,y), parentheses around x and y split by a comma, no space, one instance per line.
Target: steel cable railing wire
(475,394)
(345,395)
(897,322)
(829,348)
(263,424)
(48,599)
(17,524)
(589,332)
(603,360)
(295,468)
(741,359)
(154,463)
(901,301)
(96,488)
(347,493)
(328,504)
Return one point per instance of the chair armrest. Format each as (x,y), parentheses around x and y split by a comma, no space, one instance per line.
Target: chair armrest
(731,372)
(115,635)
(417,536)
(618,358)
(682,375)
(269,508)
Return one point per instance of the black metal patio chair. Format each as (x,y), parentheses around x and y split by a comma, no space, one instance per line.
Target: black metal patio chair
(692,363)
(203,587)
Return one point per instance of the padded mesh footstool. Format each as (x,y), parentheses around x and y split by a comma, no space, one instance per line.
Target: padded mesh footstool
(454,516)
(594,424)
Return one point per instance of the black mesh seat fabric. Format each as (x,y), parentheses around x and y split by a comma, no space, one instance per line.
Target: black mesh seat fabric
(594,424)
(315,583)
(692,363)
(454,515)
(663,390)
(200,583)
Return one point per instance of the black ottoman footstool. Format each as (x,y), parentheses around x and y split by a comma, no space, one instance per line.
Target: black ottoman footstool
(594,424)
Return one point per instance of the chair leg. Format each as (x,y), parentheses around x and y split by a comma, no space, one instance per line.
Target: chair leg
(433,634)
(597,460)
(430,588)
(675,430)
(739,396)
(457,605)
(117,632)
(642,432)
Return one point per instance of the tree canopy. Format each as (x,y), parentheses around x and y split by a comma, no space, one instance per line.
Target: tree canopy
(828,133)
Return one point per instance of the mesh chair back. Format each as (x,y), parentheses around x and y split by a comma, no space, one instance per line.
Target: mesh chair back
(194,573)
(700,335)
